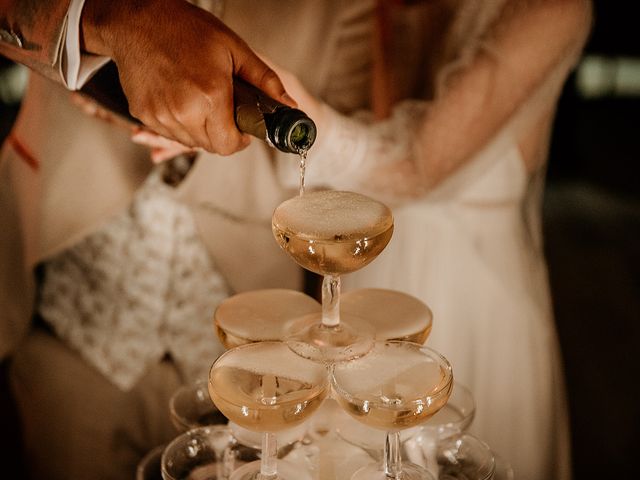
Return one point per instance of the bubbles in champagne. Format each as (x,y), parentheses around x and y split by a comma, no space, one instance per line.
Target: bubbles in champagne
(333,215)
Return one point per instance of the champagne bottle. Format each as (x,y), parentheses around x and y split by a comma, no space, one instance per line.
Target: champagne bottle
(287,129)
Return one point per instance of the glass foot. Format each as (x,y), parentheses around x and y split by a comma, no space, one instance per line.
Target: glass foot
(410,471)
(310,338)
(286,471)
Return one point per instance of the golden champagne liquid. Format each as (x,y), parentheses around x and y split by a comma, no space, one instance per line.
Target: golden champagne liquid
(385,394)
(394,315)
(397,414)
(260,315)
(263,402)
(332,233)
(303,168)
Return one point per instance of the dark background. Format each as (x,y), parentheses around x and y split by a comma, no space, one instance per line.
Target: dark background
(592,229)
(592,238)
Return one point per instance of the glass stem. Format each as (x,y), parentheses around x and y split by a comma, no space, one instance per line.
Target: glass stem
(392,462)
(331,301)
(268,465)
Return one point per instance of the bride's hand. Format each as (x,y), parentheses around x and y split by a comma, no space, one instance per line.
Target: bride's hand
(162,148)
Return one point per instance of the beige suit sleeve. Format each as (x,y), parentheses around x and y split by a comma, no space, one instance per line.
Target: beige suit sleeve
(32,33)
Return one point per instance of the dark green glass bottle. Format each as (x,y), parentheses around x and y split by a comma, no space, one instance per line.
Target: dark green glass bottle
(285,128)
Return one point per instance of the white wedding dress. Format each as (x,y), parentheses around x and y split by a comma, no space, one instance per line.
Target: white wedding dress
(469,244)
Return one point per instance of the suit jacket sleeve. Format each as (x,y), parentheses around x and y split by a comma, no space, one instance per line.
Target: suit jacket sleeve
(32,32)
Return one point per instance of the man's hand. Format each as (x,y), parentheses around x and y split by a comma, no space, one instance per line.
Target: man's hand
(176,64)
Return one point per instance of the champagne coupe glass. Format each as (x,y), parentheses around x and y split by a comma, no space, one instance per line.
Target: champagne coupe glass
(332,233)
(397,385)
(190,406)
(394,315)
(418,443)
(149,467)
(266,387)
(200,453)
(260,315)
(465,457)
(504,471)
(451,420)
(455,417)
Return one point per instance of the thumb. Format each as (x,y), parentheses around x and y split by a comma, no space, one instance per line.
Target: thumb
(252,69)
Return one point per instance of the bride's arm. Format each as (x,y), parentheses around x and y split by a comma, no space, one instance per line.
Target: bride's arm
(527,43)
(422,143)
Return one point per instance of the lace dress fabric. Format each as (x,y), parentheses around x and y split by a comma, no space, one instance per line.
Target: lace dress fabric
(141,287)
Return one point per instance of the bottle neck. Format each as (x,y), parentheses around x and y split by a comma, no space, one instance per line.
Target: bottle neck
(287,129)
(290,130)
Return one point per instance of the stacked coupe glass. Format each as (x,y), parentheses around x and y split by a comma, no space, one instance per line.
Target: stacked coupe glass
(342,389)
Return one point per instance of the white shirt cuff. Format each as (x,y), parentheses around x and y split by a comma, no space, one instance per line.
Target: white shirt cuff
(78,67)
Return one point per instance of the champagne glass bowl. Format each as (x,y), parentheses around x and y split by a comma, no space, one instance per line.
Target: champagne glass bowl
(453,418)
(397,385)
(332,233)
(190,407)
(260,315)
(199,453)
(463,457)
(394,315)
(266,387)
